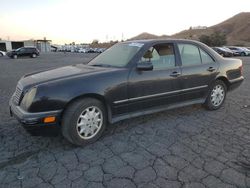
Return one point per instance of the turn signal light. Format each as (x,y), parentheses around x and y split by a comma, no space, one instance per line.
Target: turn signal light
(50,119)
(241,69)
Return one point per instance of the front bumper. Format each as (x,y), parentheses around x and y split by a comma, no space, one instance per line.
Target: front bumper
(33,119)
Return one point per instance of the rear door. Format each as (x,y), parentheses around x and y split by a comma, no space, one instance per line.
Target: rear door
(158,87)
(198,69)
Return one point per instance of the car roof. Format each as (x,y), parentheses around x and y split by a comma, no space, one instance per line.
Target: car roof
(162,40)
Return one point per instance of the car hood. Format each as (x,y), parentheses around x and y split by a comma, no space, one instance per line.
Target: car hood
(37,78)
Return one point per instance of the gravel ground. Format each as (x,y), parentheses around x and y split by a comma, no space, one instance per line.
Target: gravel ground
(186,147)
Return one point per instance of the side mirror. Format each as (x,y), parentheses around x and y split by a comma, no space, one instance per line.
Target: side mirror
(144,66)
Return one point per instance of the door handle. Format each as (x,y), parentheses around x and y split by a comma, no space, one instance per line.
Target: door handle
(211,69)
(175,74)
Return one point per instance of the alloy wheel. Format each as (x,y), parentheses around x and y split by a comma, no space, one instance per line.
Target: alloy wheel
(89,122)
(217,95)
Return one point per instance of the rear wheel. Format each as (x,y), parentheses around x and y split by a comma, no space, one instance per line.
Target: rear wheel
(216,96)
(243,54)
(33,55)
(84,121)
(14,56)
(1,54)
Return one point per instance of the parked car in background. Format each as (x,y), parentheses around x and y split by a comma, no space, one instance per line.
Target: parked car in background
(246,50)
(24,51)
(129,79)
(2,53)
(100,50)
(91,50)
(238,51)
(84,50)
(223,51)
(81,50)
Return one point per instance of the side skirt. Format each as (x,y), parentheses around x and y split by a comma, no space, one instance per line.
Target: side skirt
(154,110)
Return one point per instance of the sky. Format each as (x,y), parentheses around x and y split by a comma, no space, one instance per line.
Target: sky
(82,21)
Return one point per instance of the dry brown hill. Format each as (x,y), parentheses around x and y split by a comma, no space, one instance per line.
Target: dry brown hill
(144,36)
(236,28)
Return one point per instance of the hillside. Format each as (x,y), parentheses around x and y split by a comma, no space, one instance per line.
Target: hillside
(236,28)
(144,36)
(148,36)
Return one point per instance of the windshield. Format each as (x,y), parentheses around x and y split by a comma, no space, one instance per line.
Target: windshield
(118,55)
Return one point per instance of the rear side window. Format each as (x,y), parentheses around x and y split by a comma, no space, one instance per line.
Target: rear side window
(190,54)
(193,55)
(32,49)
(205,58)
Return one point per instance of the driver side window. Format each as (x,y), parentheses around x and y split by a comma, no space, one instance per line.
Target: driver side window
(161,56)
(22,50)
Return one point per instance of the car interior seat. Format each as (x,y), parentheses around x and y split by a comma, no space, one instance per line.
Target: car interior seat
(148,55)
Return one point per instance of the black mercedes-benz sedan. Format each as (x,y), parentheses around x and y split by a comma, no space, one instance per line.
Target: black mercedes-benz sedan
(129,79)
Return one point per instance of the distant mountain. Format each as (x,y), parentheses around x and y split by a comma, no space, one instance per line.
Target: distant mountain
(237,30)
(144,36)
(147,36)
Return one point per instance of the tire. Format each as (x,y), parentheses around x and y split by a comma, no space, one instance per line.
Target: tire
(79,117)
(14,56)
(243,54)
(1,54)
(216,95)
(33,55)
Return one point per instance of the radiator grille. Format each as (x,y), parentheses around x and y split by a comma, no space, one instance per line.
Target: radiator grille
(17,95)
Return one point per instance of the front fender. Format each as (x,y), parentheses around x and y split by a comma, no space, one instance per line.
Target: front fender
(57,94)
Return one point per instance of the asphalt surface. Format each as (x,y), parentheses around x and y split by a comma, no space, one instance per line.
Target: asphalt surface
(186,147)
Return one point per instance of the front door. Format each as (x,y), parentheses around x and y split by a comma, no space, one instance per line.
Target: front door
(155,88)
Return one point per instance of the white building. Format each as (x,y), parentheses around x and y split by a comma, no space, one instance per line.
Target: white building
(42,45)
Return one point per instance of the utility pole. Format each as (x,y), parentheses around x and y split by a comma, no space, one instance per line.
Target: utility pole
(45,44)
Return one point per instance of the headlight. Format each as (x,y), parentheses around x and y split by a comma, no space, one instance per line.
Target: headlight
(28,98)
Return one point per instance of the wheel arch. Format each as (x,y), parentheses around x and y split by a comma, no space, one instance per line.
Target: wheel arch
(225,80)
(94,96)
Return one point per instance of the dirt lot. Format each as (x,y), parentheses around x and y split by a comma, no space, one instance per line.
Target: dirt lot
(187,147)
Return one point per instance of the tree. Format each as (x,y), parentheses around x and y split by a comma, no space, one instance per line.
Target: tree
(215,39)
(190,33)
(205,39)
(95,41)
(218,38)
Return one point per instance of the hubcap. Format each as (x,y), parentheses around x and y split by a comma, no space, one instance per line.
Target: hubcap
(89,122)
(217,95)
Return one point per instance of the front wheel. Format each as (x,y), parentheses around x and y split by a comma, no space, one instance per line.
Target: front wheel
(216,96)
(14,56)
(84,121)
